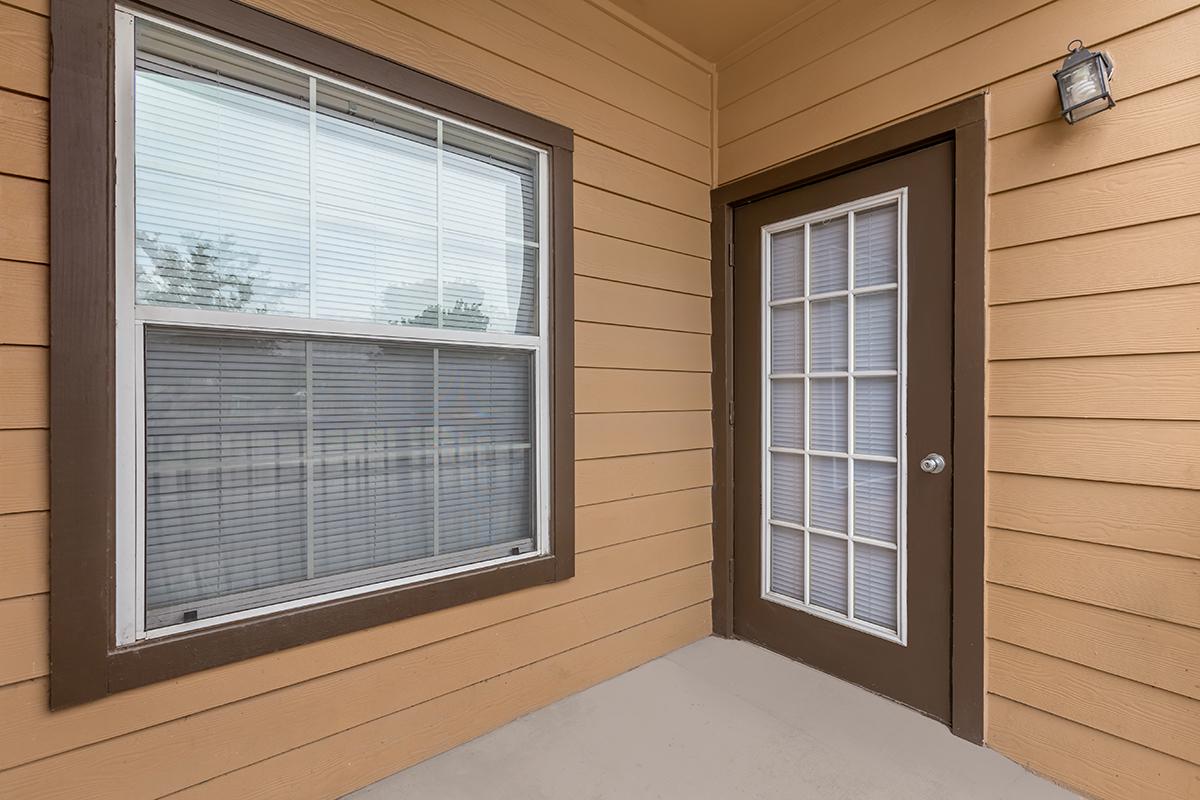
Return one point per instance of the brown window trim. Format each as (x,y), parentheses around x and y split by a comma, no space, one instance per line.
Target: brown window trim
(85,662)
(963,124)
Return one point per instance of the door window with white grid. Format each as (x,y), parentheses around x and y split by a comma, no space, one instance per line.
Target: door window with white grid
(833,416)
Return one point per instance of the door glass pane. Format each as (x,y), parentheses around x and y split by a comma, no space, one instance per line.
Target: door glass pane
(787,562)
(828,335)
(839,337)
(827,270)
(875,585)
(787,488)
(875,500)
(828,575)
(875,331)
(787,265)
(875,416)
(787,413)
(787,339)
(875,246)
(828,414)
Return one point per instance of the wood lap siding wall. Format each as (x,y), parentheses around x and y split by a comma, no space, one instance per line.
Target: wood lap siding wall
(323,719)
(1093,557)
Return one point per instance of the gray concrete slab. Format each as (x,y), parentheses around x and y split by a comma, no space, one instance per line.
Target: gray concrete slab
(718,719)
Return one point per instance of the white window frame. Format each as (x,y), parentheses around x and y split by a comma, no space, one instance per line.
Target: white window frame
(900,197)
(131,320)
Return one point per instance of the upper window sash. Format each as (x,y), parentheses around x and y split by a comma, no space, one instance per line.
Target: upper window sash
(301,203)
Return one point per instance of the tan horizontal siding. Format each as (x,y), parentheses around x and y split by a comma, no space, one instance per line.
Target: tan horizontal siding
(1148,518)
(24,554)
(1153,453)
(24,137)
(1133,711)
(24,227)
(37,6)
(24,633)
(908,39)
(24,392)
(606,168)
(593,28)
(1159,187)
(1148,584)
(1149,124)
(493,27)
(640,307)
(607,479)
(598,390)
(616,215)
(606,524)
(24,296)
(1156,254)
(1160,320)
(1102,765)
(1145,650)
(608,435)
(817,35)
(965,67)
(1104,386)
(629,262)
(24,470)
(24,51)
(634,348)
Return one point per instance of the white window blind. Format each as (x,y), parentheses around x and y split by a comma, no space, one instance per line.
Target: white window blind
(339,354)
(833,427)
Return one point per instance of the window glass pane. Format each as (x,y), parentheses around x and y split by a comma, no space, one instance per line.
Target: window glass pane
(488,285)
(489,187)
(280,468)
(221,152)
(261,190)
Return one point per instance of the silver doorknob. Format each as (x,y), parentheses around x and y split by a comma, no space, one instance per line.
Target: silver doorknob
(933,463)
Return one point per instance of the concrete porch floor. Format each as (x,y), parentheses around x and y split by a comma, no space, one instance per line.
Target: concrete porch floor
(718,719)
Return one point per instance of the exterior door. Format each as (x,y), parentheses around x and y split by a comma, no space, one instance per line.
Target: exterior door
(843,301)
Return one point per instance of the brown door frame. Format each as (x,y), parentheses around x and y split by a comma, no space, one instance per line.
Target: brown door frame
(961,123)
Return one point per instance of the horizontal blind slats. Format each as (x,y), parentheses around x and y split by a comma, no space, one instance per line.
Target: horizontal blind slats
(332,437)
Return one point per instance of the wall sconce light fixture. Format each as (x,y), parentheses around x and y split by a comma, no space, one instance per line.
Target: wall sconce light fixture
(1082,81)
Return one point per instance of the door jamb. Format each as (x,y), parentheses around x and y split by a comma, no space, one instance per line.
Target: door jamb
(963,124)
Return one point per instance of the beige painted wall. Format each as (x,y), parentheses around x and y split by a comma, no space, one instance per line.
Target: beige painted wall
(1093,558)
(319,720)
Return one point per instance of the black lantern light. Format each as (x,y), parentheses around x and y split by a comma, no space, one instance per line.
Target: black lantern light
(1083,86)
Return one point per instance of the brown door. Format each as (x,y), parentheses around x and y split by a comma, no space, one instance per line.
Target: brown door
(842,387)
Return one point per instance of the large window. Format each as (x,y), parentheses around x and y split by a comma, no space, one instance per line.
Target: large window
(313,358)
(331,331)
